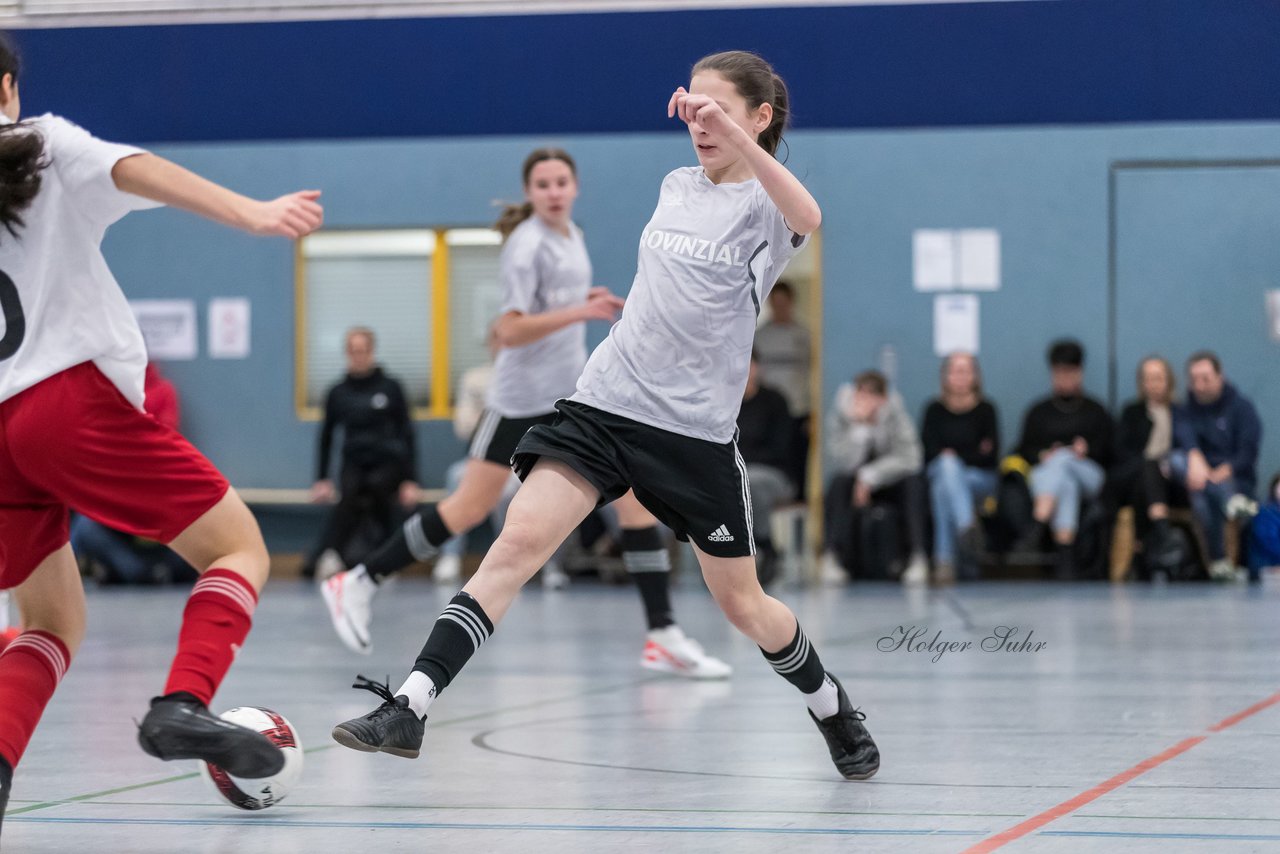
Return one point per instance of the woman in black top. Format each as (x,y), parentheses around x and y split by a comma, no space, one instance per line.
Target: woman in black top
(1143,442)
(961,440)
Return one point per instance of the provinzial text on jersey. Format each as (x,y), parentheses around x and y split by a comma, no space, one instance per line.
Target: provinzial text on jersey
(695,247)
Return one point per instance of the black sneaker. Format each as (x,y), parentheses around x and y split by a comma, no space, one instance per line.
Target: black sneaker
(181,727)
(855,754)
(6,780)
(391,728)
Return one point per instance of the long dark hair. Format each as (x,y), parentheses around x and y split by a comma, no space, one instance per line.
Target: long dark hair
(21,155)
(758,83)
(513,215)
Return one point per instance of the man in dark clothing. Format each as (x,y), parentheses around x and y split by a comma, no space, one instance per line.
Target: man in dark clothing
(1216,435)
(377,451)
(1067,440)
(765,437)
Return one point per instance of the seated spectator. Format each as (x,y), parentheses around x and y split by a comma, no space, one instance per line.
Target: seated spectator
(1216,435)
(1066,438)
(1143,444)
(961,437)
(1264,533)
(875,452)
(786,366)
(113,557)
(377,452)
(764,440)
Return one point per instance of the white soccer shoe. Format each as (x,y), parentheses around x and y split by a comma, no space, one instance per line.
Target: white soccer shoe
(670,651)
(448,569)
(348,596)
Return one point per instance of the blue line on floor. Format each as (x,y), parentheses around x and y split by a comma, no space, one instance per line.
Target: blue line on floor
(447,825)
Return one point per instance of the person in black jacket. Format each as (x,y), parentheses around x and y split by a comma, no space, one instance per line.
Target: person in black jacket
(765,440)
(378,457)
(1066,438)
(1143,443)
(961,437)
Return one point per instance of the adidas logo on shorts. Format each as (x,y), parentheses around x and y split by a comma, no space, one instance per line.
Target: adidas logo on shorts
(720,535)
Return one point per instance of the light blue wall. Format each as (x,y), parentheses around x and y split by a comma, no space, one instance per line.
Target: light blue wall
(1045,189)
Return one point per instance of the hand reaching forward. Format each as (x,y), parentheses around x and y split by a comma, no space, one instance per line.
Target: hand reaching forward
(294,215)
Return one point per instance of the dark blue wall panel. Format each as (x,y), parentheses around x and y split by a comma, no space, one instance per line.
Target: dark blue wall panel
(1064,62)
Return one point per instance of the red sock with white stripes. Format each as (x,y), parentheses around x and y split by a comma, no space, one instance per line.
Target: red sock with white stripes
(214,625)
(30,669)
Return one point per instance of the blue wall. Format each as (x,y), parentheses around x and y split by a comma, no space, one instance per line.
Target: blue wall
(1063,61)
(1019,110)
(1045,189)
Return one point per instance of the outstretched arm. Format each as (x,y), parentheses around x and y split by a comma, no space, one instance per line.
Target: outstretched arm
(516,329)
(152,177)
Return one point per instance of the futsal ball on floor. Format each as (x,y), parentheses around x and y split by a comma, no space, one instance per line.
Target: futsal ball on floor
(258,794)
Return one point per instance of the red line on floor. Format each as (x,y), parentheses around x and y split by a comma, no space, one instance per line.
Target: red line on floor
(1053,813)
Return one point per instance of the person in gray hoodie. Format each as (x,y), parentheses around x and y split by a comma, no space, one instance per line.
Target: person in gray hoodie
(874,452)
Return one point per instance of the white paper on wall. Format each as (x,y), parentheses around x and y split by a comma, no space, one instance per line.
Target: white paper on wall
(933,255)
(978,259)
(229,328)
(955,324)
(168,327)
(1273,314)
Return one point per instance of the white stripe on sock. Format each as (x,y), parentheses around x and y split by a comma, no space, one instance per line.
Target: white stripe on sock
(44,648)
(796,660)
(474,621)
(415,538)
(228,588)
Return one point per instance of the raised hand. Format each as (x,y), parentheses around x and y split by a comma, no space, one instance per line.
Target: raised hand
(702,111)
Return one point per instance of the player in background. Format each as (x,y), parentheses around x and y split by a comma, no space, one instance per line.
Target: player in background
(655,411)
(73,433)
(541,334)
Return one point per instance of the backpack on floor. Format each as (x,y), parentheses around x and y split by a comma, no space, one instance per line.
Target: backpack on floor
(877,543)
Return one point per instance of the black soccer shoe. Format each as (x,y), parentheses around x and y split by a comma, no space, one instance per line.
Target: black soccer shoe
(391,728)
(6,780)
(181,727)
(855,754)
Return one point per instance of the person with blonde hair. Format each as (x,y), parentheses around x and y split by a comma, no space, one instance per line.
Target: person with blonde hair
(961,436)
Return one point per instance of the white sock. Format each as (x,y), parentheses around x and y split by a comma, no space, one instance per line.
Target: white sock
(360,575)
(420,690)
(824,702)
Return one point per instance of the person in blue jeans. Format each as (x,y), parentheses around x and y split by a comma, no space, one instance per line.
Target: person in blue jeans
(1216,435)
(961,437)
(1067,439)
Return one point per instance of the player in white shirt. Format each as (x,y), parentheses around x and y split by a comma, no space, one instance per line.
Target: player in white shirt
(655,410)
(541,335)
(73,433)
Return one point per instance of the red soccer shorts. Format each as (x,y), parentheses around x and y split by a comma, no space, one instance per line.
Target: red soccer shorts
(74,441)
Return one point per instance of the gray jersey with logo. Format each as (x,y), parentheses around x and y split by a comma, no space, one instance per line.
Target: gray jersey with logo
(542,270)
(678,358)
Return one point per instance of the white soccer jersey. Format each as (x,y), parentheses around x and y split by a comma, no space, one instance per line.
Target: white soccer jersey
(678,358)
(61,304)
(542,270)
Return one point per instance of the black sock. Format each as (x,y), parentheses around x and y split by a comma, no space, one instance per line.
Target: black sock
(798,663)
(648,562)
(417,539)
(459,631)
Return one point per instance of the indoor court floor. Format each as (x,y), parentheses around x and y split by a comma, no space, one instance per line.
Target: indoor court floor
(1149,720)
